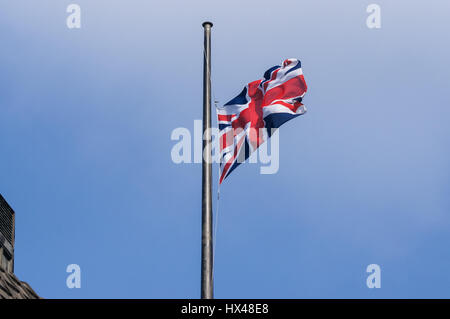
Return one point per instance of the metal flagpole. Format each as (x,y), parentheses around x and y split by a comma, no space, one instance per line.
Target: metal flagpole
(207,229)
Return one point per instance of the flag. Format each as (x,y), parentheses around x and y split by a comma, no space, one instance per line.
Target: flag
(264,105)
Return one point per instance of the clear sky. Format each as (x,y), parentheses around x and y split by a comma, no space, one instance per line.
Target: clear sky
(85,122)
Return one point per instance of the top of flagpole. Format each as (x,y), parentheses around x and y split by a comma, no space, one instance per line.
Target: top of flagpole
(204,24)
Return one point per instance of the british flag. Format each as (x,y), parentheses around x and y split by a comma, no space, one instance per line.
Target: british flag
(264,105)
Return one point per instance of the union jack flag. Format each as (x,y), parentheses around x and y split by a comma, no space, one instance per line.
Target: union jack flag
(264,105)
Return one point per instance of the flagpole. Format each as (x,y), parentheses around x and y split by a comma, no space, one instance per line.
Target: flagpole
(207,289)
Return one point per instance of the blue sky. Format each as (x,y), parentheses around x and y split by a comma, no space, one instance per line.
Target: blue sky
(85,124)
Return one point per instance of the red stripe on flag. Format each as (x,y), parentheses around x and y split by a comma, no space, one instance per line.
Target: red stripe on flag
(227,139)
(273,77)
(225,118)
(288,90)
(227,166)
